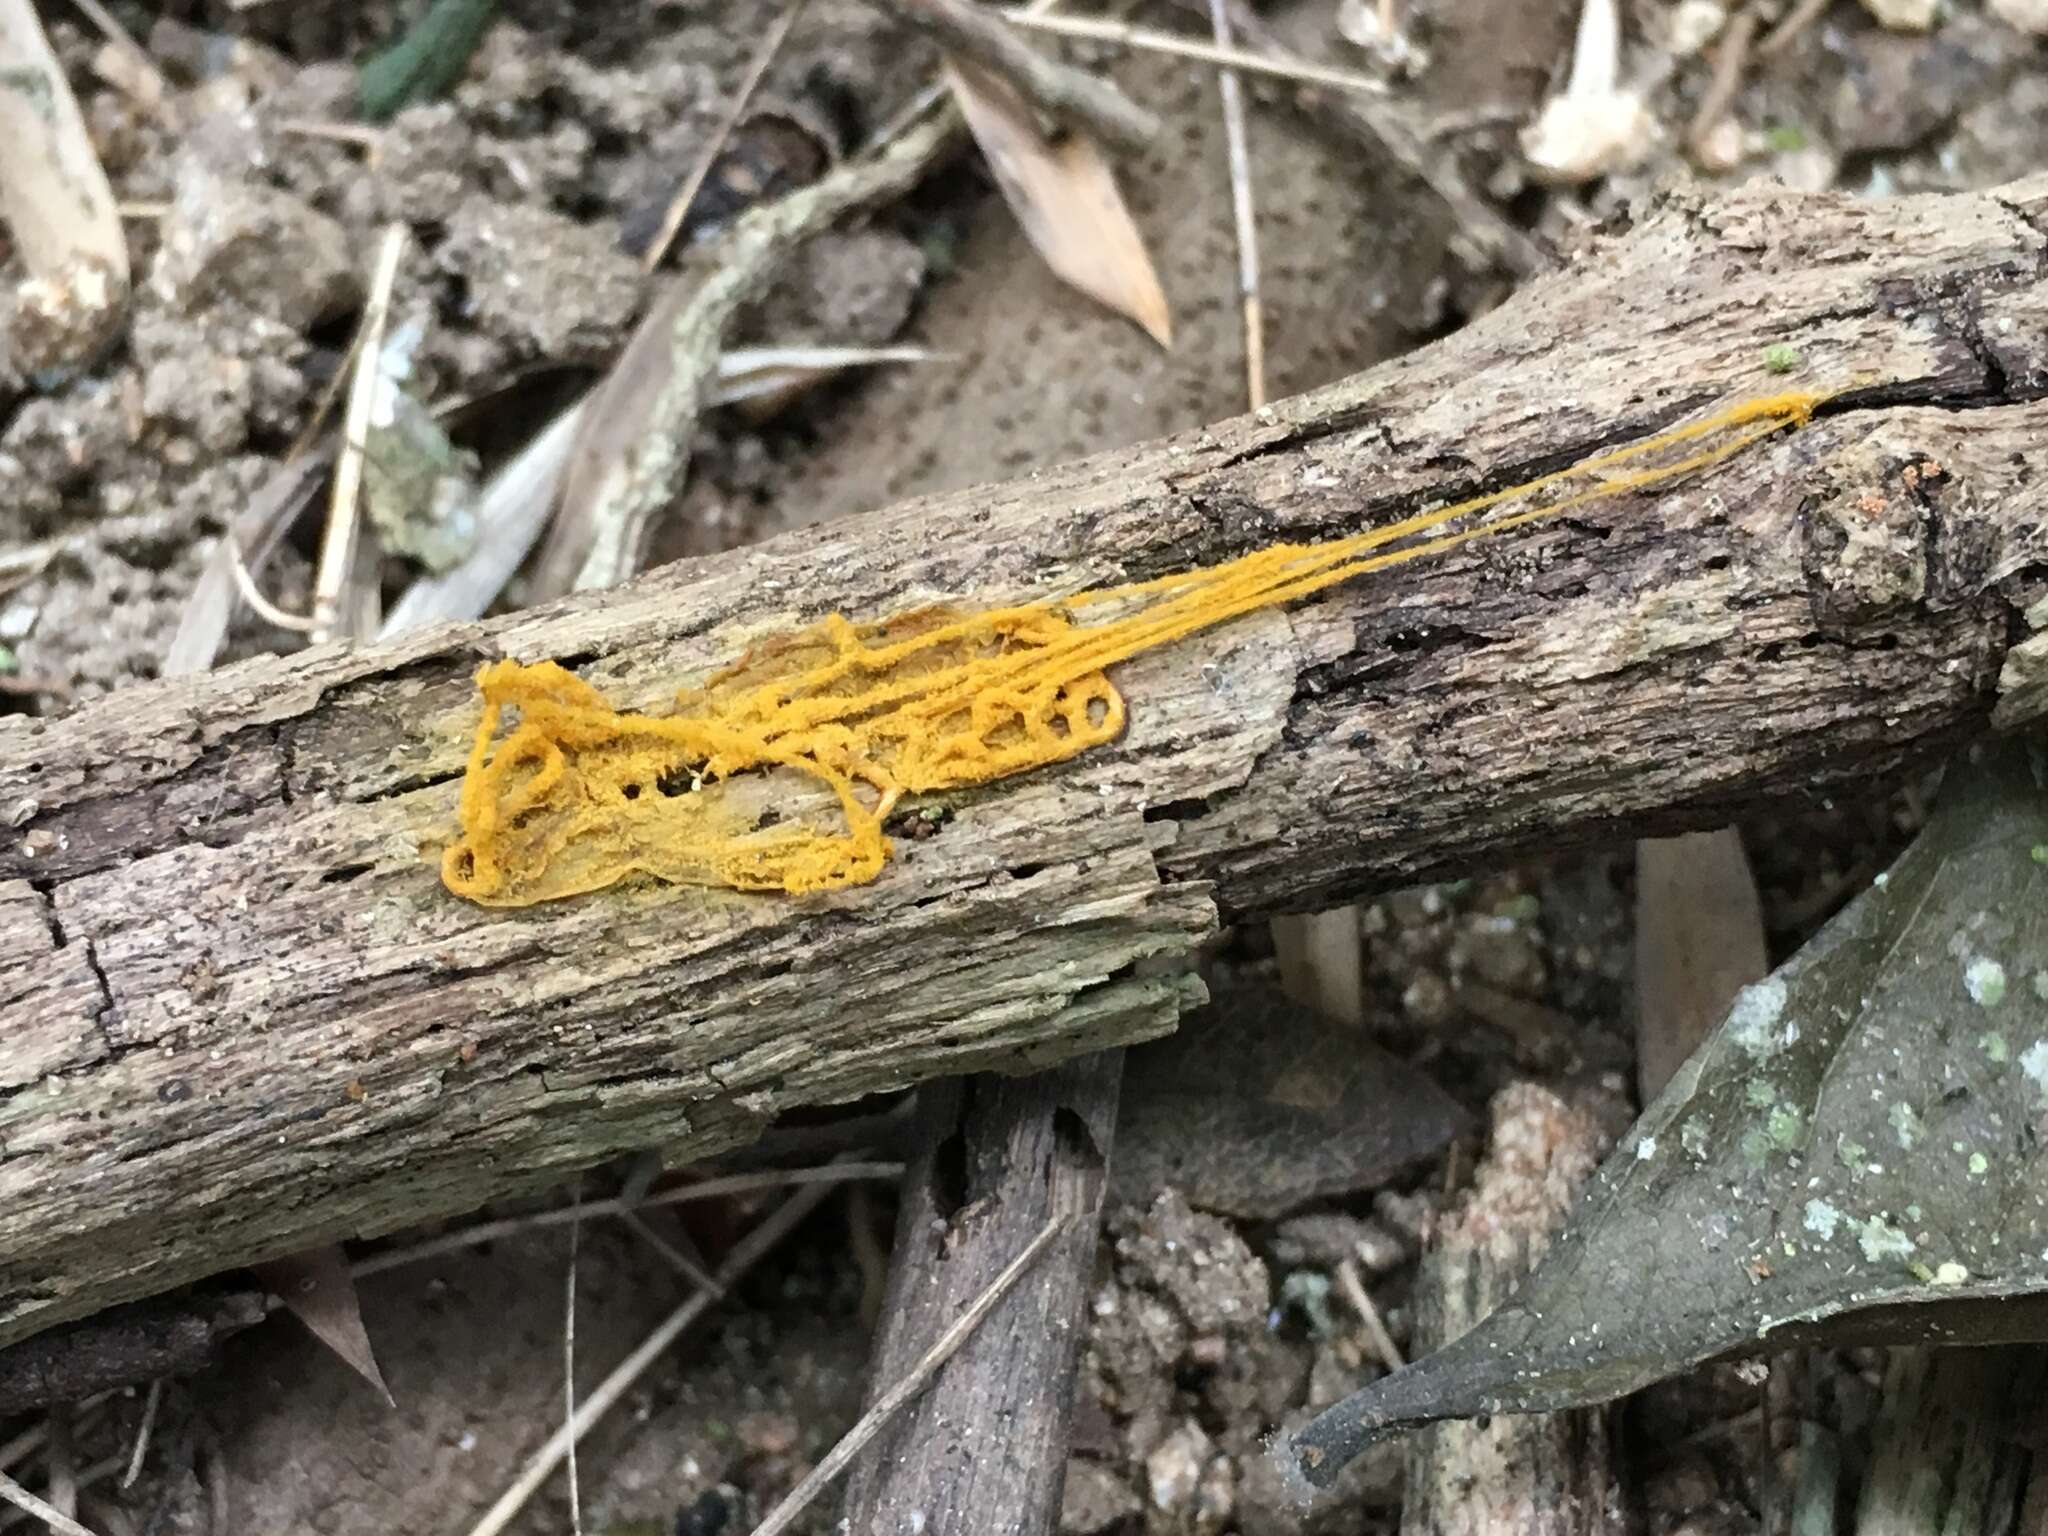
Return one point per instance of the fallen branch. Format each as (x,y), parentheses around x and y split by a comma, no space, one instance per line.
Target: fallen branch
(244,1017)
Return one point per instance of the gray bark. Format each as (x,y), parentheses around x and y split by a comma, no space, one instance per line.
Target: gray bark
(243,1017)
(985,1449)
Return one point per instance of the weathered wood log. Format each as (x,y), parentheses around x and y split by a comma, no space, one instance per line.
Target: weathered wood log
(985,1447)
(242,1016)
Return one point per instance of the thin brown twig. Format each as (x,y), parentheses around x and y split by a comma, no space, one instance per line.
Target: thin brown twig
(1730,59)
(1353,1286)
(706,1189)
(158,89)
(1242,214)
(679,206)
(669,1253)
(1122,34)
(569,1357)
(1071,95)
(269,612)
(1786,32)
(913,1381)
(337,546)
(748,1252)
(150,1404)
(27,1502)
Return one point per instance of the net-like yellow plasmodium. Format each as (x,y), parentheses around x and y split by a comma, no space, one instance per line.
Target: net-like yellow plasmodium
(577,795)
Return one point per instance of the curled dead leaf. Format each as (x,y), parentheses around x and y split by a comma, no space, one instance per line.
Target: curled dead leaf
(1065,196)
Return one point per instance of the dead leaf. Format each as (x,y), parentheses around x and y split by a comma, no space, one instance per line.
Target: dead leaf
(1256,1105)
(1699,941)
(1065,196)
(1859,1155)
(318,1288)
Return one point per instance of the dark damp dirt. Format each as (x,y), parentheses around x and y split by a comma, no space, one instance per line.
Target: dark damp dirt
(253,208)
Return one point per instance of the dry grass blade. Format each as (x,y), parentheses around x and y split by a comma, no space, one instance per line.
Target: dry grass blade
(338,544)
(318,1289)
(253,534)
(748,1252)
(1065,196)
(1122,34)
(1322,962)
(28,1503)
(55,201)
(770,376)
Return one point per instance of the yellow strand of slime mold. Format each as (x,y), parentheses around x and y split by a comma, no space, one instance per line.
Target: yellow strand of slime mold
(578,796)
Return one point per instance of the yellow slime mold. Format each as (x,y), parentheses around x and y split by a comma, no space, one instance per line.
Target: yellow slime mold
(577,795)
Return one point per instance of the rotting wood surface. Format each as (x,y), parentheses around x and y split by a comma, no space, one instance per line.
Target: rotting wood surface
(242,1016)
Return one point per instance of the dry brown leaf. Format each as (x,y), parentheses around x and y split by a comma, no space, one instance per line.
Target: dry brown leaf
(1699,941)
(1065,196)
(316,1285)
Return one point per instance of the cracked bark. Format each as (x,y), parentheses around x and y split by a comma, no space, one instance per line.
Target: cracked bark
(984,1448)
(302,1036)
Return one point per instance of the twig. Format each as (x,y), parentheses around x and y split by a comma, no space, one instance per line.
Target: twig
(748,1252)
(90,1478)
(150,1404)
(23,1500)
(257,528)
(913,1382)
(669,1253)
(337,547)
(707,1189)
(1786,32)
(1241,212)
(1122,34)
(1353,1287)
(1072,95)
(156,90)
(633,448)
(1729,60)
(245,583)
(679,206)
(369,140)
(569,1357)
(61,1483)
(1396,130)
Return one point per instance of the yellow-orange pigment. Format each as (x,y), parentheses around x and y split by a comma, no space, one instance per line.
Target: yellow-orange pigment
(577,795)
